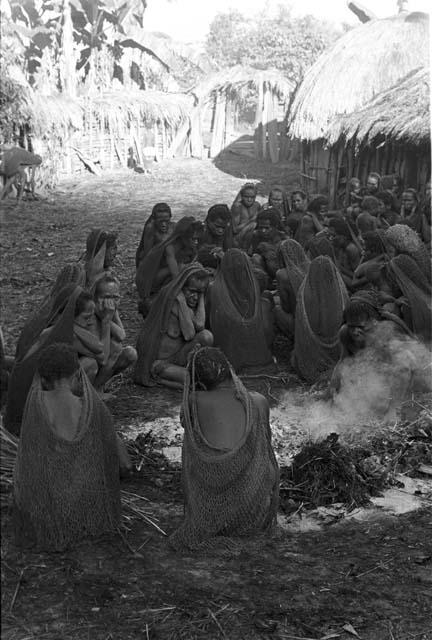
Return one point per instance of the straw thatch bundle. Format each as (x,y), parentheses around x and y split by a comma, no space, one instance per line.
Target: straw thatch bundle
(402,112)
(147,106)
(364,62)
(235,79)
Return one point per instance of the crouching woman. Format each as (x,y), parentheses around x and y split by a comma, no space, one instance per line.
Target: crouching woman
(66,477)
(173,328)
(230,473)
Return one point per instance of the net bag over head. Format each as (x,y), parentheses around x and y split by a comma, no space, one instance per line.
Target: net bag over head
(62,321)
(65,490)
(227,493)
(321,300)
(236,319)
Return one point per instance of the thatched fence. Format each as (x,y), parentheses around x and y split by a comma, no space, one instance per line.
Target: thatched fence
(364,106)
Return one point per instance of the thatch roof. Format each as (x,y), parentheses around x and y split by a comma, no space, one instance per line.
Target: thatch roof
(363,63)
(235,79)
(151,106)
(402,113)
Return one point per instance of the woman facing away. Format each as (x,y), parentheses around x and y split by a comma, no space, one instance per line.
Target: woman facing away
(230,473)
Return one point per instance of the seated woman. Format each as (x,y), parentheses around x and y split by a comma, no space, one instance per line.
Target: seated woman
(66,477)
(100,255)
(321,299)
(217,236)
(401,239)
(353,198)
(244,211)
(298,210)
(414,216)
(371,272)
(157,228)
(265,241)
(387,216)
(370,375)
(59,327)
(174,327)
(416,295)
(99,334)
(347,253)
(278,200)
(230,473)
(241,321)
(294,265)
(313,221)
(70,274)
(166,260)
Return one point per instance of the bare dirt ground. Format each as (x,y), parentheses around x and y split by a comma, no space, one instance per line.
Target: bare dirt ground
(372,579)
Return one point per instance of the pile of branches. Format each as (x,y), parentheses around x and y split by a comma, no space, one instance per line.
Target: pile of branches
(325,472)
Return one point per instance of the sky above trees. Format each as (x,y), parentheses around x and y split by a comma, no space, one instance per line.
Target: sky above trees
(188,20)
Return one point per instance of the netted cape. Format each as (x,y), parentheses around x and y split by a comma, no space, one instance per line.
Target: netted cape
(321,300)
(417,290)
(156,324)
(66,490)
(227,493)
(71,274)
(406,241)
(296,264)
(235,312)
(24,369)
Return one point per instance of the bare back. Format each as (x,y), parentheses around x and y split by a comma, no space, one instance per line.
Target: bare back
(222,417)
(63,412)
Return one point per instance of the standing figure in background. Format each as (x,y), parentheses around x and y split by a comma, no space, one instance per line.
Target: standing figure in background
(157,228)
(14,165)
(230,473)
(174,327)
(244,211)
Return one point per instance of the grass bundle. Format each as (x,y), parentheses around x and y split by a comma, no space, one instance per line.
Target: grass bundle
(134,506)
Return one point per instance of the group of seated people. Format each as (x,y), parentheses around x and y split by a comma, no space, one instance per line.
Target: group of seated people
(213,295)
(289,266)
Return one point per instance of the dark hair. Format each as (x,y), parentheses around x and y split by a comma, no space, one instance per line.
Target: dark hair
(271,214)
(412,192)
(107,279)
(374,242)
(340,227)
(300,192)
(200,274)
(249,185)
(355,309)
(111,239)
(211,367)
(81,302)
(57,361)
(365,222)
(370,203)
(161,207)
(187,226)
(219,212)
(315,204)
(386,197)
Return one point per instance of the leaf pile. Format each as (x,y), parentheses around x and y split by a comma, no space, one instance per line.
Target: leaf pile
(325,472)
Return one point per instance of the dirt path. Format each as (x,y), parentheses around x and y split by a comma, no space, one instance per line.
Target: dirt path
(374,576)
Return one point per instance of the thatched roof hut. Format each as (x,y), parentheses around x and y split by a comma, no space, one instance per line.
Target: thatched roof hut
(363,106)
(223,91)
(401,112)
(365,61)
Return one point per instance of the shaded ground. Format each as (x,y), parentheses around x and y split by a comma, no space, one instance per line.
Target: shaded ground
(374,576)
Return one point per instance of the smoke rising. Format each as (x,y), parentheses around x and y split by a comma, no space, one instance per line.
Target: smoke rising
(371,386)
